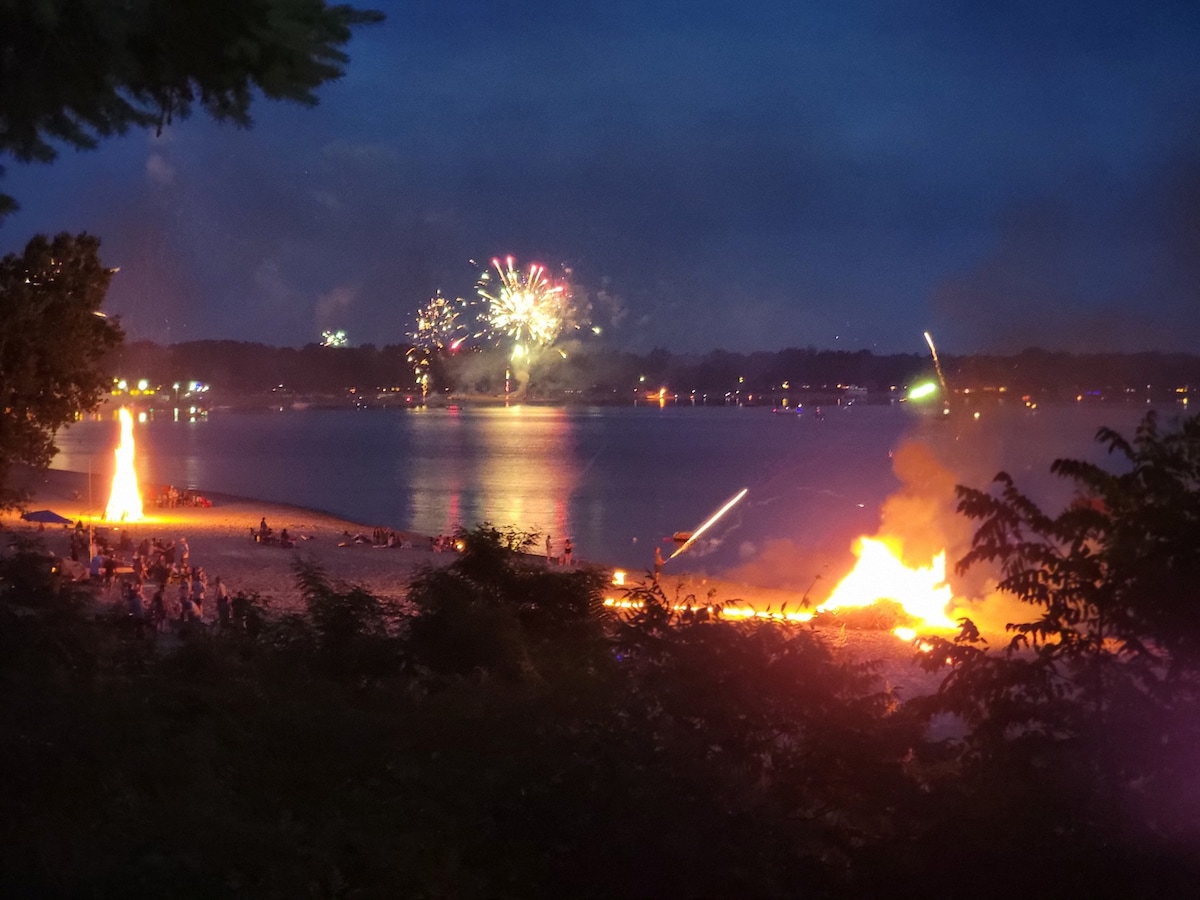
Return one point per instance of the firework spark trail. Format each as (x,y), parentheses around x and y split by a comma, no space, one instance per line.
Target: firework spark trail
(712,519)
(937,365)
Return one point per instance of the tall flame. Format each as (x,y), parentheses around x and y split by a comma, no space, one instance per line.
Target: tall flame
(125,502)
(880,574)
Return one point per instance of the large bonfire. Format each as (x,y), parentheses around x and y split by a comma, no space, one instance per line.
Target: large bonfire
(899,580)
(124,501)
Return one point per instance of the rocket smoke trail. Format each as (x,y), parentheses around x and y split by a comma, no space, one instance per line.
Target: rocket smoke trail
(937,366)
(699,531)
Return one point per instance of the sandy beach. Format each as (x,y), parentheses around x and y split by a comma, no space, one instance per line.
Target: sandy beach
(221,543)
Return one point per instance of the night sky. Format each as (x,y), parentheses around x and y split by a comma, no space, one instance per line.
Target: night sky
(734,175)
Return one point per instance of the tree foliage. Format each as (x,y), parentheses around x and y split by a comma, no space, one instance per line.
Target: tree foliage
(663,753)
(1095,700)
(53,347)
(499,611)
(76,71)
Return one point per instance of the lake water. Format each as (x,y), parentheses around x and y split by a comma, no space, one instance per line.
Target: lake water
(618,481)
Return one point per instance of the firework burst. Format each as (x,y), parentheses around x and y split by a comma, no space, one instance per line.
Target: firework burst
(438,325)
(438,330)
(522,305)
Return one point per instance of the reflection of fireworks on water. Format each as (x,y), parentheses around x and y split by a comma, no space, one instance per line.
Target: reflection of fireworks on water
(525,306)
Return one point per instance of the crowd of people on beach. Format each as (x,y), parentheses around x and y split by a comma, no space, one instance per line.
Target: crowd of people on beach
(161,613)
(161,589)
(386,537)
(156,581)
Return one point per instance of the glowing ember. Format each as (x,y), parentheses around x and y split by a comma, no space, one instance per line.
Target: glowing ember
(880,574)
(749,612)
(125,502)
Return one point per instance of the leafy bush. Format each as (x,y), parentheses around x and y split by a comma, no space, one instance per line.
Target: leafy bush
(498,610)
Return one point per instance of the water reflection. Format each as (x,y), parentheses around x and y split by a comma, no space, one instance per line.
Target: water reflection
(513,466)
(617,480)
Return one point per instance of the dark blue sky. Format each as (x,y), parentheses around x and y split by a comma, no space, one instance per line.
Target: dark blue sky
(737,175)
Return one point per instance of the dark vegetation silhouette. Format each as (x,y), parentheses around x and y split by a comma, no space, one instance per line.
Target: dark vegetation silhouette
(75,73)
(55,345)
(1090,714)
(501,732)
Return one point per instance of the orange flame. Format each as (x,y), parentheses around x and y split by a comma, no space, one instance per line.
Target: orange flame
(125,501)
(880,574)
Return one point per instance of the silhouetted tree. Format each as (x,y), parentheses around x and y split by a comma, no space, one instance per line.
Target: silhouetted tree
(498,610)
(76,72)
(1082,729)
(54,345)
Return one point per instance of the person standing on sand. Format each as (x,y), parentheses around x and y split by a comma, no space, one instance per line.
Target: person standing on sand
(185,601)
(658,563)
(549,550)
(222,603)
(568,550)
(137,608)
(96,567)
(158,610)
(185,552)
(198,594)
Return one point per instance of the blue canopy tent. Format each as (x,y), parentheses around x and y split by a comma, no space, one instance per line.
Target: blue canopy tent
(47,516)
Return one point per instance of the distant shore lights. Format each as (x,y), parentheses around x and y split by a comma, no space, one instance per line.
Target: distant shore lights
(125,501)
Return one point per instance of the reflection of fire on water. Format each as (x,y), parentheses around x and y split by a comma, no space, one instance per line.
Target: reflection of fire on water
(125,502)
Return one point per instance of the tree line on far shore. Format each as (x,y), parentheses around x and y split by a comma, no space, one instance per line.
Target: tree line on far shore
(589,374)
